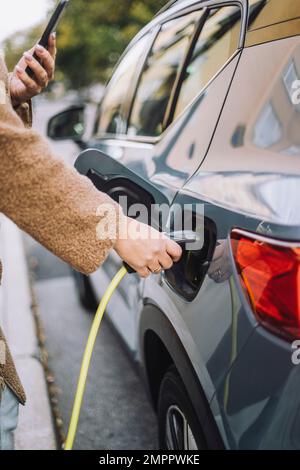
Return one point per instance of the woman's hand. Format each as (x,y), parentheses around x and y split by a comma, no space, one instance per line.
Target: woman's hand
(146,250)
(23,87)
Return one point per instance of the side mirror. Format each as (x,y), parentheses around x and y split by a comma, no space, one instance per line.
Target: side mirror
(67,125)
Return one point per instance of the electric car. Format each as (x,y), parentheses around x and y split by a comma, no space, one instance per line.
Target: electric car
(203,110)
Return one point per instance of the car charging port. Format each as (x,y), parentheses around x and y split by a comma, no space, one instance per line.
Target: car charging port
(186,276)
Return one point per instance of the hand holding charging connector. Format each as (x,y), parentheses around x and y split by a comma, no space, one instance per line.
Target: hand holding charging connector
(182,238)
(145,250)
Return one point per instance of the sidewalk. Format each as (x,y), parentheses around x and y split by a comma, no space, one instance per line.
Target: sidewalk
(35,431)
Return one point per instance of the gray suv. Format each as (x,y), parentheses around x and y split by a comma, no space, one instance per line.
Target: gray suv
(204,108)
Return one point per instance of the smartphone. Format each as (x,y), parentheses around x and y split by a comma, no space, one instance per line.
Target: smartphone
(51,26)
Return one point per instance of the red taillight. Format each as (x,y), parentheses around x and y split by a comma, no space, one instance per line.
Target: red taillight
(270,274)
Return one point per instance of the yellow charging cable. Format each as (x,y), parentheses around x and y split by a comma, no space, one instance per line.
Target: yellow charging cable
(88,355)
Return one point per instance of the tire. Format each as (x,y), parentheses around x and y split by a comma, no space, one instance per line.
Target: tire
(84,291)
(178,424)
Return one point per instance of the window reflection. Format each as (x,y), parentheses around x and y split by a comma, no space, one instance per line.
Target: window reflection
(159,76)
(255,11)
(267,129)
(277,123)
(113,118)
(218,40)
(270,12)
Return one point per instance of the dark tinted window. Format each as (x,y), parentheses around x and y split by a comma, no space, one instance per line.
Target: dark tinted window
(159,76)
(113,119)
(218,40)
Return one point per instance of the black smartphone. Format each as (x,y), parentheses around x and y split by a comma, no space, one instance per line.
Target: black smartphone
(51,26)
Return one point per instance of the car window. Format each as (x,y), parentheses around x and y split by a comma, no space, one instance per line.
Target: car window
(159,75)
(273,12)
(113,114)
(218,40)
(270,20)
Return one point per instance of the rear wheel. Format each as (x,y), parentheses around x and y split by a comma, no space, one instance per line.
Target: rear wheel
(84,291)
(179,427)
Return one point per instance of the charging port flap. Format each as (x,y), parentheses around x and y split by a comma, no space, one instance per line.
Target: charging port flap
(122,185)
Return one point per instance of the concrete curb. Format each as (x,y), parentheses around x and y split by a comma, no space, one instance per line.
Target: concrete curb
(35,431)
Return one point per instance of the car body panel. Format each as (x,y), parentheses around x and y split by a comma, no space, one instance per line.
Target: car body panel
(260,409)
(243,156)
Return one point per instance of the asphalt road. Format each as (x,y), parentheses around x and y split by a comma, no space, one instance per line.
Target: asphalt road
(116,413)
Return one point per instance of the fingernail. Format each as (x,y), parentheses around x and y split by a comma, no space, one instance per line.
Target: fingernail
(27,56)
(39,48)
(54,34)
(18,68)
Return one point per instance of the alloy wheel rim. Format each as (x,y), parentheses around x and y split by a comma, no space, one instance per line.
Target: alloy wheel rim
(179,435)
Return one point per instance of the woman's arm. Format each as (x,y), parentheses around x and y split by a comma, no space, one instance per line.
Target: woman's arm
(49,200)
(57,206)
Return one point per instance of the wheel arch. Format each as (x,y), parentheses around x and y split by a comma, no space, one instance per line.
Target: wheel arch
(160,348)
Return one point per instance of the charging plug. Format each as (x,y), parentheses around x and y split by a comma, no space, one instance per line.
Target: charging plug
(180,237)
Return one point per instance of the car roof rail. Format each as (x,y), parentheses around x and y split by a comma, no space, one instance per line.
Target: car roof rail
(169,4)
(166,7)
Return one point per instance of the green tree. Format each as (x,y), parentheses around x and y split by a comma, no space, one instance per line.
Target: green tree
(94,33)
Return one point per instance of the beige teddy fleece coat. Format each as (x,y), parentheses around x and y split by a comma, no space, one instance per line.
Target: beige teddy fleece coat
(48,200)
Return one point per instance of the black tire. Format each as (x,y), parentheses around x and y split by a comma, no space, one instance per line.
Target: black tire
(175,410)
(84,291)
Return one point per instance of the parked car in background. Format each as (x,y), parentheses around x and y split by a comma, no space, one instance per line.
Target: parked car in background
(204,106)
